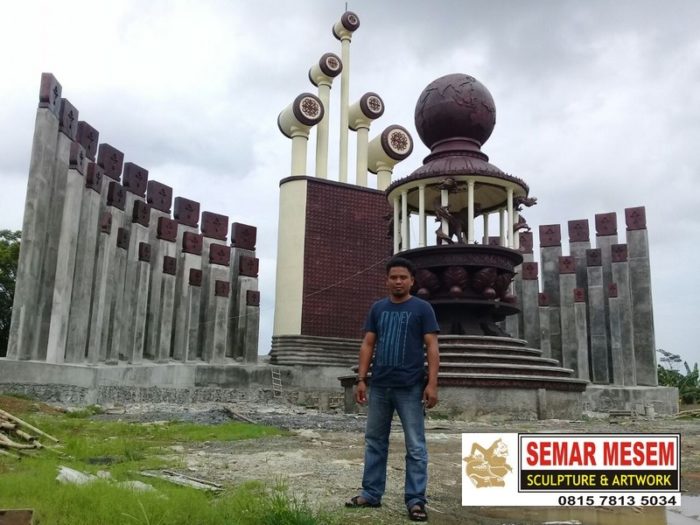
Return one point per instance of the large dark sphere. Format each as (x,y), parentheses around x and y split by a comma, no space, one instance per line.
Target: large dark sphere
(453,106)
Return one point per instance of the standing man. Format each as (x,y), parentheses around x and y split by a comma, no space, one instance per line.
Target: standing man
(396,330)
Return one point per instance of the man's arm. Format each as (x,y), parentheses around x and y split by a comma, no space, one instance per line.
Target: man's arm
(366,352)
(430,394)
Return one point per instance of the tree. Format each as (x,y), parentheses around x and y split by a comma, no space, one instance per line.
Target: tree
(9,256)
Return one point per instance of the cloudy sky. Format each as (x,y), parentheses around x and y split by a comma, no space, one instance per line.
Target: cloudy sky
(598,106)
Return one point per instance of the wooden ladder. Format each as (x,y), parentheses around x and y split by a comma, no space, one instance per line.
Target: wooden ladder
(276,381)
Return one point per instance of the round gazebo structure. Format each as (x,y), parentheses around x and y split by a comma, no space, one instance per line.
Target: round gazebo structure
(468,280)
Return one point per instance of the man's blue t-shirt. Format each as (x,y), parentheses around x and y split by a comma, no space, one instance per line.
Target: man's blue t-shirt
(399,359)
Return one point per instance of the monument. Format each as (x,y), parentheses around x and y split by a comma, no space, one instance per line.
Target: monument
(583,341)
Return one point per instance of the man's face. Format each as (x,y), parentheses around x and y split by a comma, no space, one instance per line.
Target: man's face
(399,282)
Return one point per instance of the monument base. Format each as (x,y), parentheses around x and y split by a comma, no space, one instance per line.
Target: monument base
(123,383)
(637,400)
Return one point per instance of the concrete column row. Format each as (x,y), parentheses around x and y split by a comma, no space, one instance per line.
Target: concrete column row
(105,275)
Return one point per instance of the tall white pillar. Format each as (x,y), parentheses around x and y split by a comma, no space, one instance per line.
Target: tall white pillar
(360,117)
(510,218)
(343,30)
(383,178)
(502,226)
(321,75)
(516,236)
(485,240)
(397,220)
(470,212)
(295,122)
(445,202)
(421,216)
(405,244)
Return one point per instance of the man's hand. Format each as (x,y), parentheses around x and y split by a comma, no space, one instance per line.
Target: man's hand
(361,393)
(430,395)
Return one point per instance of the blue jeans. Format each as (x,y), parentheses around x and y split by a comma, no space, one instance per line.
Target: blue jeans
(407,401)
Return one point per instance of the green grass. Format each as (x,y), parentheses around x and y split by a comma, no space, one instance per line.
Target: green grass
(124,449)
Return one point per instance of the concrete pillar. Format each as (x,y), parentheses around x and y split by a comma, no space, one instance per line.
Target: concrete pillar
(34,224)
(606,236)
(79,319)
(544,315)
(530,304)
(66,256)
(525,246)
(640,292)
(103,295)
(68,128)
(600,372)
(615,330)
(252,326)
(215,272)
(167,308)
(189,258)
(159,197)
(117,284)
(194,300)
(581,313)
(620,276)
(126,312)
(567,284)
(243,241)
(166,264)
(579,242)
(99,300)
(222,290)
(247,283)
(550,251)
(143,278)
(214,229)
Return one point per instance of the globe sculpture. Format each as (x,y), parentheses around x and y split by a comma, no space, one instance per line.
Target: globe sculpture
(466,279)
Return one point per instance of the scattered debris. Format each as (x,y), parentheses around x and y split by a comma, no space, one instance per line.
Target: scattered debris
(72,476)
(13,435)
(75,477)
(183,479)
(235,415)
(16,517)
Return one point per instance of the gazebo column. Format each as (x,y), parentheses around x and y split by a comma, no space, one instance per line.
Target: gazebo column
(445,203)
(405,244)
(485,239)
(510,218)
(421,216)
(397,220)
(470,212)
(516,237)
(502,223)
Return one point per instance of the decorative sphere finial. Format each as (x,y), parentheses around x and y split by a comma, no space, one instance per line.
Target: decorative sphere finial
(455,106)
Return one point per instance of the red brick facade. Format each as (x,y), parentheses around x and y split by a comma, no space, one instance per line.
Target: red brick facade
(345,250)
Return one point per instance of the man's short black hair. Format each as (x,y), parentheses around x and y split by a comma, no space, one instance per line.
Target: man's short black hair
(400,262)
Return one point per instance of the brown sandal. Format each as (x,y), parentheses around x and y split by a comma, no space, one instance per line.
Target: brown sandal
(354,503)
(418,514)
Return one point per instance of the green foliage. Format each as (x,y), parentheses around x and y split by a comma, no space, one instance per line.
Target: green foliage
(688,384)
(124,449)
(9,255)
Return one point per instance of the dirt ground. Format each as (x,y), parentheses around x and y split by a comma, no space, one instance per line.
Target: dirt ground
(322,463)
